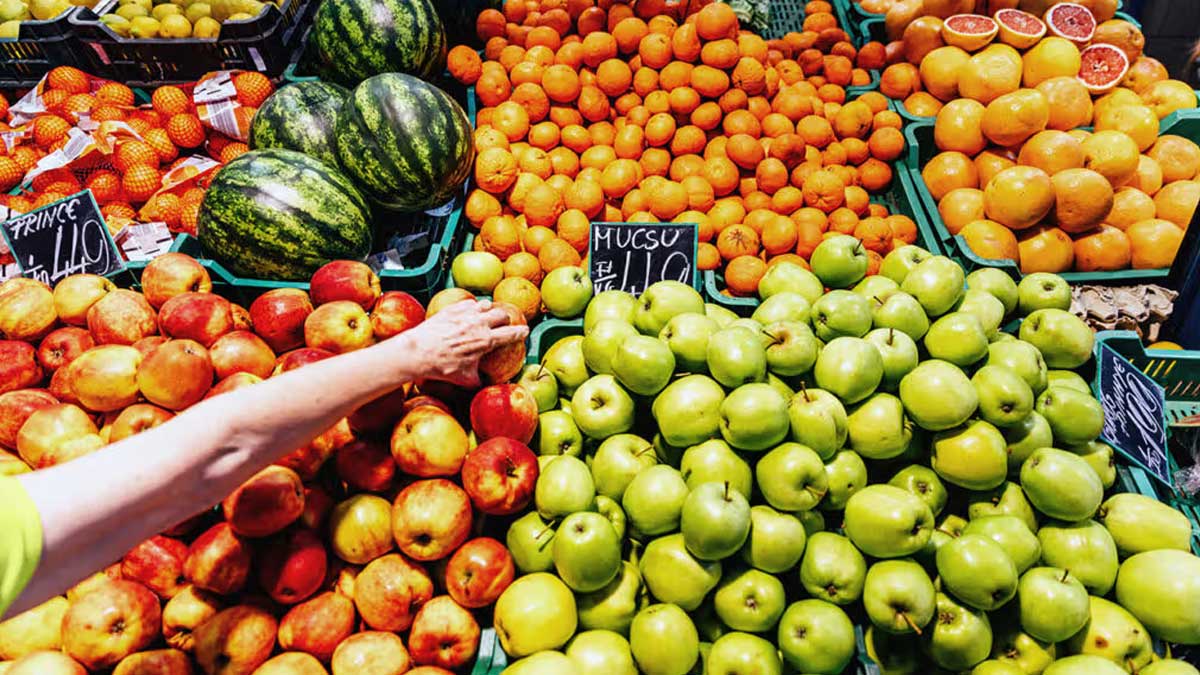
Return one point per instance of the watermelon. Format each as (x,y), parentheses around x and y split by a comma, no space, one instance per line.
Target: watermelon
(405,142)
(356,39)
(300,117)
(279,215)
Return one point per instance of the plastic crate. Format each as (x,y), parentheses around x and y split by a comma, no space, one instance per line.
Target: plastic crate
(263,44)
(855,10)
(38,47)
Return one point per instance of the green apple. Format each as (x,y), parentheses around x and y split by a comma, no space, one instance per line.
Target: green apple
(1068,379)
(878,428)
(544,663)
(899,310)
(612,511)
(601,407)
(564,487)
(742,654)
(600,344)
(924,483)
(1031,433)
(993,666)
(540,382)
(973,456)
(618,459)
(601,652)
(776,542)
(749,600)
(709,625)
(1063,338)
(875,285)
(721,315)
(558,435)
(1138,524)
(898,596)
(899,354)
(1005,399)
(754,417)
(977,571)
(984,307)
(662,301)
(936,283)
(1162,589)
(1013,535)
(653,500)
(737,355)
(937,395)
(614,606)
(565,361)
(885,521)
(672,574)
(957,337)
(816,637)
(1084,665)
(995,281)
(792,477)
(1052,603)
(786,277)
(894,654)
(845,475)
(900,261)
(715,461)
(688,410)
(750,324)
(664,641)
(687,335)
(1061,485)
(839,261)
(959,637)
(1100,457)
(715,521)
(791,348)
(535,613)
(813,521)
(1085,548)
(1013,647)
(477,271)
(566,291)
(617,305)
(643,364)
(782,307)
(1074,417)
(832,569)
(587,552)
(841,313)
(818,419)
(666,452)
(1006,500)
(1042,290)
(849,368)
(1023,359)
(1169,667)
(530,539)
(1113,633)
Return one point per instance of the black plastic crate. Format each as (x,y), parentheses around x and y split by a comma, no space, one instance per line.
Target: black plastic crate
(39,47)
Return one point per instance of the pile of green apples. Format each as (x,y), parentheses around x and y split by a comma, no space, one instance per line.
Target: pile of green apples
(730,495)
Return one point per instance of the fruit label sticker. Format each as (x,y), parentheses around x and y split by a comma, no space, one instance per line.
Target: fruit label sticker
(1134,413)
(60,239)
(631,256)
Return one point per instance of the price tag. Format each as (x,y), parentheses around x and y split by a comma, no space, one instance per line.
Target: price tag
(631,256)
(1134,413)
(64,238)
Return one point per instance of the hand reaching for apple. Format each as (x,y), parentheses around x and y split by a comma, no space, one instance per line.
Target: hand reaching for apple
(456,338)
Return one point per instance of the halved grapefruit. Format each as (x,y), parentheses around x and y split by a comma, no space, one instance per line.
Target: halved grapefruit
(1102,67)
(1071,21)
(1018,29)
(969,31)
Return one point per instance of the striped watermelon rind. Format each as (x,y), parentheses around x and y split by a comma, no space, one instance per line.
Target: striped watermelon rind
(407,144)
(300,117)
(280,215)
(356,39)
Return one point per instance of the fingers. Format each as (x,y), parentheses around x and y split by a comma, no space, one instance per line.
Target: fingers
(496,317)
(509,335)
(484,305)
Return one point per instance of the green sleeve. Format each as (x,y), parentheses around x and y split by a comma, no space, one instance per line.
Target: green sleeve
(20,540)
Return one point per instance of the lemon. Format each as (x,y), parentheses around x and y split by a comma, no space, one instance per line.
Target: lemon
(131,11)
(118,24)
(161,12)
(10,29)
(175,26)
(143,27)
(13,10)
(206,27)
(240,16)
(43,10)
(197,11)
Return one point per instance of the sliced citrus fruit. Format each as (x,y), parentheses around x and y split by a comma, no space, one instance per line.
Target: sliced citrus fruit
(1102,67)
(1071,21)
(969,31)
(1018,29)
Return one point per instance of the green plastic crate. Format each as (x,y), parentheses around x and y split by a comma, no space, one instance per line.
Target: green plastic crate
(854,9)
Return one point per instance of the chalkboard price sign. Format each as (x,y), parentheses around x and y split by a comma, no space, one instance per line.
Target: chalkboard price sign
(64,238)
(631,256)
(1134,413)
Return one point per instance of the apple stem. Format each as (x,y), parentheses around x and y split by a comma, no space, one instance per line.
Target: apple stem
(726,490)
(773,338)
(1066,573)
(648,448)
(541,370)
(915,627)
(804,392)
(891,336)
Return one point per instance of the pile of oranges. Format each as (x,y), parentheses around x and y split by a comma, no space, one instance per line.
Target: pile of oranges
(652,111)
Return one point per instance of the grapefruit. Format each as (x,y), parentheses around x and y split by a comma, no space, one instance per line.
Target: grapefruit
(946,8)
(1052,57)
(1019,197)
(1179,157)
(1154,243)
(1014,117)
(1112,154)
(939,71)
(1143,72)
(1052,151)
(1082,199)
(1177,202)
(1106,248)
(922,104)
(1122,35)
(990,73)
(958,127)
(989,239)
(1138,121)
(991,162)
(900,15)
(1071,21)
(1018,29)
(1130,205)
(922,36)
(1102,67)
(1103,10)
(1168,96)
(1046,249)
(1148,178)
(1116,98)
(971,32)
(1069,101)
(964,205)
(948,171)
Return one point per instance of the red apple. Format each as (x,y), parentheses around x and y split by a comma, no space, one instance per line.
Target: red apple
(500,476)
(298,358)
(149,344)
(61,388)
(340,577)
(291,663)
(503,363)
(19,367)
(75,295)
(177,375)
(424,399)
(172,274)
(309,459)
(443,634)
(121,317)
(266,503)
(365,465)
(137,418)
(317,626)
(111,622)
(278,317)
(340,326)
(155,662)
(242,352)
(389,591)
(45,663)
(431,518)
(62,346)
(317,505)
(16,407)
(291,567)
(371,653)
(157,563)
(478,572)
(26,309)
(48,429)
(429,670)
(202,317)
(234,381)
(235,640)
(429,442)
(507,410)
(218,561)
(241,317)
(380,414)
(106,377)
(395,313)
(12,465)
(446,297)
(345,280)
(181,615)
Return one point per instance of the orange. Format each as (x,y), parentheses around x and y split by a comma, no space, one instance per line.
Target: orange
(597,157)
(531,97)
(489,137)
(557,253)
(50,129)
(816,131)
(495,170)
(903,228)
(543,205)
(899,81)
(922,104)
(683,100)
(131,153)
(169,100)
(185,130)
(700,195)
(500,236)
(744,151)
(716,21)
(1106,248)
(1153,243)
(1045,249)
(875,234)
(875,175)
(720,54)
(525,265)
(660,129)
(480,206)
(534,238)
(493,88)
(886,144)
(141,181)
(668,200)
(989,239)
(614,77)
(655,162)
(843,221)
(707,257)
(710,82)
(787,200)
(655,50)
(991,162)
(561,83)
(105,185)
(574,228)
(771,175)
(809,233)
(511,119)
(585,196)
(628,34)
(824,190)
(743,273)
(619,177)
(959,207)
(726,212)
(737,240)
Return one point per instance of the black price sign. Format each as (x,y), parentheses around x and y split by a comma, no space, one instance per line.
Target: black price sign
(64,238)
(1134,413)
(631,256)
